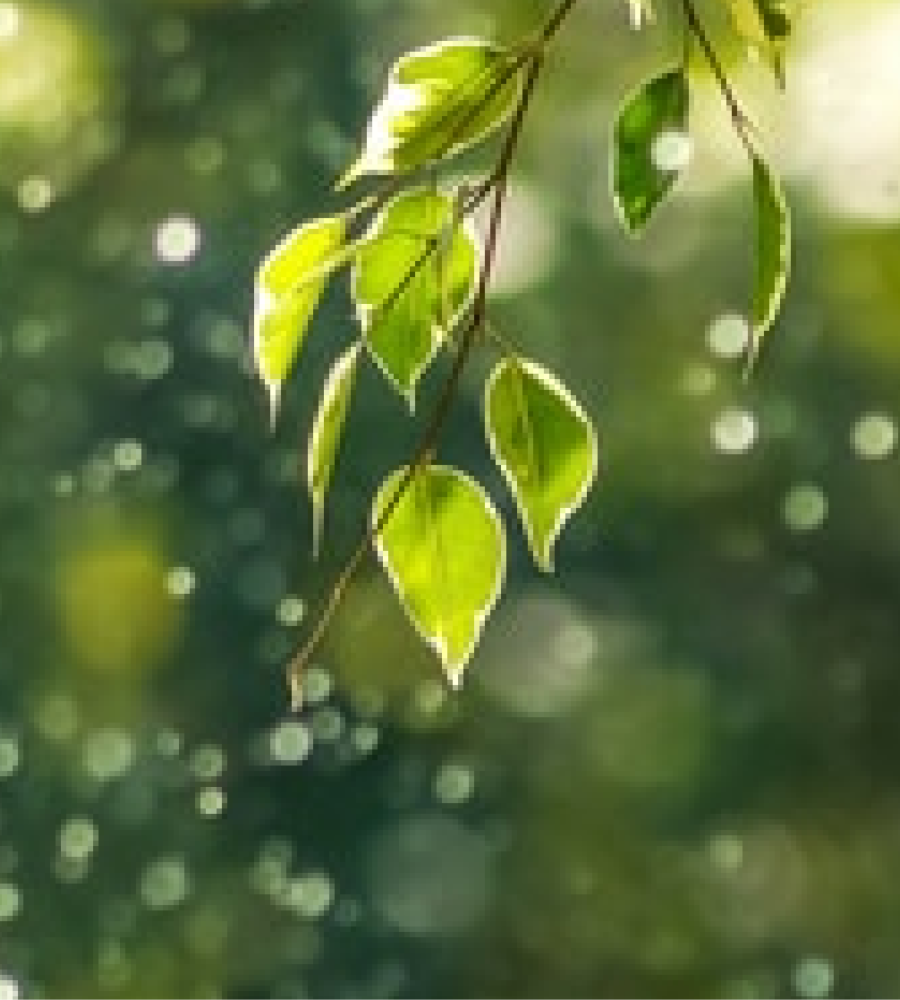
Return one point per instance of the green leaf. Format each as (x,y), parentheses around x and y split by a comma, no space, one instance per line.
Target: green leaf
(328,427)
(773,251)
(444,549)
(413,277)
(775,17)
(765,25)
(546,448)
(650,146)
(289,284)
(439,100)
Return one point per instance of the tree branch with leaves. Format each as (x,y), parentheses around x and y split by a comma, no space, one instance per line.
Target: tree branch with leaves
(420,280)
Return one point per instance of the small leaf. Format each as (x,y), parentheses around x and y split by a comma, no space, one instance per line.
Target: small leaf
(650,146)
(444,549)
(289,284)
(414,275)
(775,18)
(328,427)
(546,448)
(439,100)
(773,251)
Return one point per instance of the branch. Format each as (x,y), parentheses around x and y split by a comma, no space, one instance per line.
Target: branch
(496,182)
(739,117)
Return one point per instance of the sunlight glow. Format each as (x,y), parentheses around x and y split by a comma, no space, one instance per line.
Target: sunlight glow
(9,988)
(841,113)
(805,507)
(734,431)
(672,151)
(10,21)
(874,436)
(177,240)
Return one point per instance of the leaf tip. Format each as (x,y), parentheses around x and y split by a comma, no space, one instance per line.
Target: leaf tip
(751,355)
(273,390)
(641,13)
(543,558)
(295,689)
(350,176)
(454,677)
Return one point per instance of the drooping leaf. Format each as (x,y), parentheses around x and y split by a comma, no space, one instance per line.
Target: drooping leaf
(439,100)
(414,274)
(765,25)
(650,146)
(444,549)
(328,427)
(289,284)
(773,251)
(641,12)
(546,448)
(775,17)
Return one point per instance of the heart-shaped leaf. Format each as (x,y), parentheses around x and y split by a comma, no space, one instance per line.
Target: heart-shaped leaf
(327,431)
(546,448)
(439,100)
(289,284)
(650,147)
(414,275)
(444,549)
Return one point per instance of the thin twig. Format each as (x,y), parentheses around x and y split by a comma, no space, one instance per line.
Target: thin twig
(502,343)
(497,182)
(742,124)
(555,20)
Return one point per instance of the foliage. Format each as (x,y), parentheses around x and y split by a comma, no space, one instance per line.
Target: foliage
(651,126)
(420,284)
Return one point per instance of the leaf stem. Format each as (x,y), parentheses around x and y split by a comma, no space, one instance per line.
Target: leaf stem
(555,20)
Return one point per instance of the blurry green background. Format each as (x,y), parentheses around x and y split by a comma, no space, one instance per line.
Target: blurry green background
(673,769)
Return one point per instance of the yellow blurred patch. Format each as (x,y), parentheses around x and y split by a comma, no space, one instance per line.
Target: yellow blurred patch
(55,102)
(115,613)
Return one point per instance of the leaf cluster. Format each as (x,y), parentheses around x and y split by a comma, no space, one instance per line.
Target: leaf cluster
(419,277)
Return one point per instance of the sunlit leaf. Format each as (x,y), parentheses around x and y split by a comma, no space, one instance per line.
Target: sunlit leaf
(328,427)
(650,146)
(641,12)
(773,250)
(439,100)
(765,25)
(444,549)
(414,275)
(545,446)
(289,284)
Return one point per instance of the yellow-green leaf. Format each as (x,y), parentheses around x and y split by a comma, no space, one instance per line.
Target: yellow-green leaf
(444,549)
(439,100)
(328,427)
(773,251)
(650,146)
(765,25)
(546,448)
(414,275)
(289,284)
